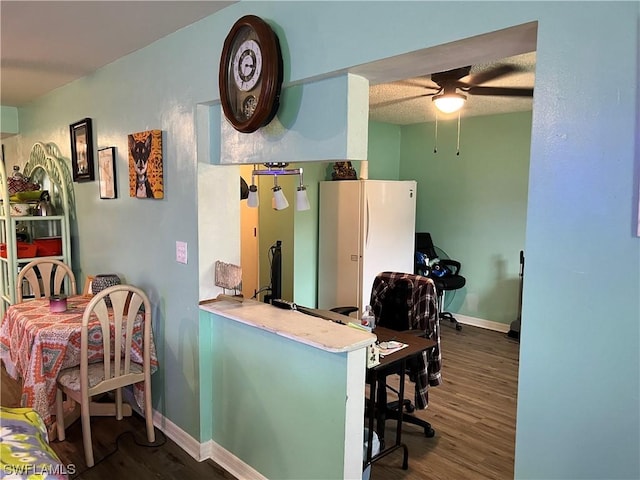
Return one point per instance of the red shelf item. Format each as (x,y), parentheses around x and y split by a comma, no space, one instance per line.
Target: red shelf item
(24,250)
(48,246)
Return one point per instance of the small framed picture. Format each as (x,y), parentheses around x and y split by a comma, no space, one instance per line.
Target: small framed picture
(107,172)
(82,150)
(86,291)
(145,165)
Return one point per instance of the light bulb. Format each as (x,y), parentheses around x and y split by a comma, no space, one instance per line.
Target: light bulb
(302,201)
(449,102)
(279,200)
(252,199)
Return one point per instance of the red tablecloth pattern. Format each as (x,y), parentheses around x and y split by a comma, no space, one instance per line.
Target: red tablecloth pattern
(36,345)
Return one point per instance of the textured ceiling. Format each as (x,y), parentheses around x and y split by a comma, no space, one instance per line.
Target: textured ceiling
(41,51)
(396,102)
(47,44)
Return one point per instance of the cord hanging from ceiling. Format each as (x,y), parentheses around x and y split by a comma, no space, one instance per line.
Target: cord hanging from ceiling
(458,141)
(435,143)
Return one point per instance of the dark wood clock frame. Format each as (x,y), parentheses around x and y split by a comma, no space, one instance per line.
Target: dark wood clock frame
(268,93)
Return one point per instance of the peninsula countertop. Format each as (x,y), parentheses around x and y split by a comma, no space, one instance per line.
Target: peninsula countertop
(300,327)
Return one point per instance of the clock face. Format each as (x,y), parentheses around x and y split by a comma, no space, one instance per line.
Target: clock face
(250,74)
(247,65)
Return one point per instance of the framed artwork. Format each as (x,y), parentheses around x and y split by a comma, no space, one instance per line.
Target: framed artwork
(107,172)
(82,150)
(145,165)
(86,291)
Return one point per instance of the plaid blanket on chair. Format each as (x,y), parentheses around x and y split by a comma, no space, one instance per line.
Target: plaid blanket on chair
(403,301)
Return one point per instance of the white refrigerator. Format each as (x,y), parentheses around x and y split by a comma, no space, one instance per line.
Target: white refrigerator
(365,227)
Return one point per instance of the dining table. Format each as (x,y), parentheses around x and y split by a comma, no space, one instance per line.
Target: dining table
(37,343)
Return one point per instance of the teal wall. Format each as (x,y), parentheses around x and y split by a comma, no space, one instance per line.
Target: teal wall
(384,151)
(8,120)
(316,121)
(305,260)
(475,204)
(579,379)
(252,371)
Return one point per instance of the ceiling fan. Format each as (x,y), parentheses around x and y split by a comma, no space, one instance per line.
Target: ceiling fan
(450,83)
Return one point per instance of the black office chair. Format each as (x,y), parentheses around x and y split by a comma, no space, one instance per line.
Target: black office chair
(444,272)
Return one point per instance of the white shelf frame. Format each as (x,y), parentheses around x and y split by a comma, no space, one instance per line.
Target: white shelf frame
(45,164)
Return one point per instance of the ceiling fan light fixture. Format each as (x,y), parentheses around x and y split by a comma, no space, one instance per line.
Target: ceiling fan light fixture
(449,102)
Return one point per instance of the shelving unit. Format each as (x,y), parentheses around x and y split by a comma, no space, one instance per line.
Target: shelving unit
(46,167)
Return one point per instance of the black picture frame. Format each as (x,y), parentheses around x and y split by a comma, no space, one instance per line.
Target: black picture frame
(107,173)
(82,150)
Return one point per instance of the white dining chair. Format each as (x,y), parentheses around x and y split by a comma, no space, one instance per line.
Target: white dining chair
(46,277)
(117,368)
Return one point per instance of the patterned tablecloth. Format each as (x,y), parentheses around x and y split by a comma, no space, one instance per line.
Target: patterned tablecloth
(36,345)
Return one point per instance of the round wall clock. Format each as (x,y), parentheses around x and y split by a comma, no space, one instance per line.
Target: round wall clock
(250,75)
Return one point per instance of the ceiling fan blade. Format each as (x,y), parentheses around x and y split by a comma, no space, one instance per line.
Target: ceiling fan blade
(449,77)
(411,82)
(398,100)
(492,74)
(501,91)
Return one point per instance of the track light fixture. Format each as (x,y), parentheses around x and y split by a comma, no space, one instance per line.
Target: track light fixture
(279,201)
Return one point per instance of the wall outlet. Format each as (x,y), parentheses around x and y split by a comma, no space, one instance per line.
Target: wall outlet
(181,252)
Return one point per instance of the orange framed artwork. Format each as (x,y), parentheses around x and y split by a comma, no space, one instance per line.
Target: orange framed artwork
(145,164)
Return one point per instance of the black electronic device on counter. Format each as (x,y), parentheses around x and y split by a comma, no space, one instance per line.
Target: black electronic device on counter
(284,304)
(275,289)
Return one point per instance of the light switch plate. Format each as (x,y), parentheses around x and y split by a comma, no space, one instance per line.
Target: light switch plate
(181,252)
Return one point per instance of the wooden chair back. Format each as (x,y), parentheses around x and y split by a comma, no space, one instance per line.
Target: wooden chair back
(127,302)
(116,368)
(46,277)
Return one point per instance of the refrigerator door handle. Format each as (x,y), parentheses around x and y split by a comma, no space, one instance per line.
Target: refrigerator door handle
(366,222)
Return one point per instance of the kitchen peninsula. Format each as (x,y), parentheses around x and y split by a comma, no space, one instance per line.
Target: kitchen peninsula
(283,378)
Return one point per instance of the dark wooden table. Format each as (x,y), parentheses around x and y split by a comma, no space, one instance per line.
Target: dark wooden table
(392,364)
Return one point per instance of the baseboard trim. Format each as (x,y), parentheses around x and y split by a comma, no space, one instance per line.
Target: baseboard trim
(482,323)
(230,462)
(204,451)
(175,433)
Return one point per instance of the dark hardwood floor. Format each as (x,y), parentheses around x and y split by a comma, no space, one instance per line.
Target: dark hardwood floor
(120,449)
(473,413)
